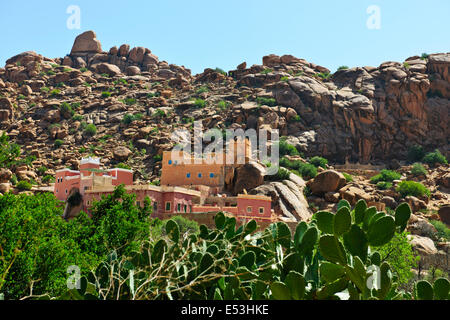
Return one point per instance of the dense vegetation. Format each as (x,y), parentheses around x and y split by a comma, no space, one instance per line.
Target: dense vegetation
(37,245)
(333,257)
(123,253)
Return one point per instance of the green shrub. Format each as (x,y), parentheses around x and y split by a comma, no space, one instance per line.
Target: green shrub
(307,171)
(58,143)
(21,97)
(90,130)
(200,103)
(285,79)
(385,175)
(282,174)
(13,179)
(123,166)
(348,177)
(406,65)
(383,185)
(51,73)
(271,102)
(48,179)
(77,117)
(415,153)
(23,185)
(319,162)
(424,56)
(296,118)
(55,92)
(129,118)
(287,149)
(434,158)
(266,71)
(84,69)
(45,89)
(157,158)
(222,105)
(75,105)
(129,101)
(400,255)
(159,114)
(221,71)
(106,94)
(343,68)
(66,108)
(412,188)
(442,230)
(418,170)
(324,75)
(201,90)
(41,170)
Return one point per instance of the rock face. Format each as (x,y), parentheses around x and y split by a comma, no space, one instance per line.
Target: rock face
(429,254)
(86,43)
(248,176)
(121,153)
(444,214)
(327,181)
(288,200)
(364,113)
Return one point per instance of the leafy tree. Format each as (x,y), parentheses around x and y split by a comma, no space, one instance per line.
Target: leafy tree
(399,253)
(415,153)
(9,152)
(37,245)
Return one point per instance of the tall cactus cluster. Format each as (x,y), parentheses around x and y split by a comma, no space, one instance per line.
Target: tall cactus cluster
(333,257)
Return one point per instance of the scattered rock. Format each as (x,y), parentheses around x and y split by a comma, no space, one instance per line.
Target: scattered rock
(327,181)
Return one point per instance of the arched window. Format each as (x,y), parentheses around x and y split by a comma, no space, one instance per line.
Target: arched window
(188,175)
(199,175)
(211,175)
(170,162)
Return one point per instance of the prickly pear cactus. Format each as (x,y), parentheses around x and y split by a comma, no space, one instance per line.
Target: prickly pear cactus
(332,257)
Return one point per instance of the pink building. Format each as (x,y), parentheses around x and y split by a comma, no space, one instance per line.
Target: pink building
(243,207)
(89,176)
(92,183)
(165,200)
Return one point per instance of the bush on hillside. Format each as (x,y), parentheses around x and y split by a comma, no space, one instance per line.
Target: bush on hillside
(412,188)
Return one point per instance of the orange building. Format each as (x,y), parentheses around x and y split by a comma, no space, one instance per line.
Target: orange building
(182,169)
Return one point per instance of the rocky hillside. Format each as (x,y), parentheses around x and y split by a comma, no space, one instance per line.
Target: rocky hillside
(123,105)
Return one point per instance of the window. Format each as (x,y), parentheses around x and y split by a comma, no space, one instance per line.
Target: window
(56,190)
(188,175)
(179,207)
(249,209)
(138,203)
(155,205)
(168,206)
(199,175)
(261,210)
(66,191)
(170,162)
(185,208)
(211,175)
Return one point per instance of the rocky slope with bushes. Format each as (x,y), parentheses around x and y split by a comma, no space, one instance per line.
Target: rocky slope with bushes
(123,105)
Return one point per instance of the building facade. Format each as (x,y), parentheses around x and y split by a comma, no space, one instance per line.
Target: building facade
(186,189)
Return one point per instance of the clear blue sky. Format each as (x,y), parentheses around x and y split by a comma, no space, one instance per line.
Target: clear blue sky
(212,33)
